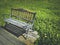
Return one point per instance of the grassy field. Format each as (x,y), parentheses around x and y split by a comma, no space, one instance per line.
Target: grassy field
(47,21)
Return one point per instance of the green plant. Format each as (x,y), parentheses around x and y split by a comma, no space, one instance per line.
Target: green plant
(48,31)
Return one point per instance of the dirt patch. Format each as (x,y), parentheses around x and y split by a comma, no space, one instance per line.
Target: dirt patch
(26,41)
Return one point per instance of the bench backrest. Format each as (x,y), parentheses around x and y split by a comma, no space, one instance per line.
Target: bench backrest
(23,14)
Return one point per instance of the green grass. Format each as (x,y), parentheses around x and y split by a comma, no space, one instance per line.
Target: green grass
(47,17)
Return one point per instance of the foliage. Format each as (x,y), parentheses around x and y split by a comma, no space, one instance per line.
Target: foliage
(48,31)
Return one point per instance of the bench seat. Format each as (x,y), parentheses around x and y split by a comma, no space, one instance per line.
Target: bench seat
(18,23)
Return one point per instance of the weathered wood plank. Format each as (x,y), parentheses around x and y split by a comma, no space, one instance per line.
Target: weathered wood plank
(5,41)
(8,39)
(16,22)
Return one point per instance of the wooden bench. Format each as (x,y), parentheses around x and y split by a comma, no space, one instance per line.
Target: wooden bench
(20,18)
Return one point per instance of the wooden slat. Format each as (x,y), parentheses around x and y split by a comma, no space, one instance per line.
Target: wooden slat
(17,23)
(8,39)
(23,14)
(17,31)
(22,10)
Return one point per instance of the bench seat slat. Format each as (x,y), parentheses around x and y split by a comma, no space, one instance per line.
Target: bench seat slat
(17,31)
(17,23)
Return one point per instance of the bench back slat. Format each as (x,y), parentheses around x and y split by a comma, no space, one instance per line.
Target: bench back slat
(23,14)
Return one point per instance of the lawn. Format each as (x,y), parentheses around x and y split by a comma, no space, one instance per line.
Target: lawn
(47,21)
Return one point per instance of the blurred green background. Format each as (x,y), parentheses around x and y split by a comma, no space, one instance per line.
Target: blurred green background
(47,21)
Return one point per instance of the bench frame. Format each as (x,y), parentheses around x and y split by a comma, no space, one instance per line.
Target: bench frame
(23,10)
